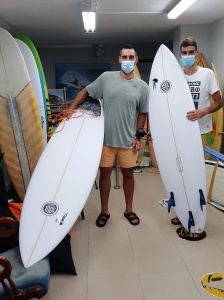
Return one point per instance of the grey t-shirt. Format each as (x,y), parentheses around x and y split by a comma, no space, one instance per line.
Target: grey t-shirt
(122,100)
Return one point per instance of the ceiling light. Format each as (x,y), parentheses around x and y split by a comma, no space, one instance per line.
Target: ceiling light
(180,8)
(88,9)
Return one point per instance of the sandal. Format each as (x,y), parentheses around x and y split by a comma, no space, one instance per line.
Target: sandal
(131,216)
(175,221)
(184,234)
(101,221)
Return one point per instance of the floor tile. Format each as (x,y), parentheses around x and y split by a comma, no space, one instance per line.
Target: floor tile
(117,287)
(145,262)
(109,262)
(169,285)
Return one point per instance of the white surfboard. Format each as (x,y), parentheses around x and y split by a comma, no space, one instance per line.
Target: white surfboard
(36,84)
(20,133)
(61,182)
(177,141)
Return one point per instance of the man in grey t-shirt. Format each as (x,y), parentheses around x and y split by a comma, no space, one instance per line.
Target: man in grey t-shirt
(125,102)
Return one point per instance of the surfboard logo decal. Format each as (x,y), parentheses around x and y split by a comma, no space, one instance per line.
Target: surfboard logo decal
(155,80)
(50,208)
(60,221)
(165,86)
(179,164)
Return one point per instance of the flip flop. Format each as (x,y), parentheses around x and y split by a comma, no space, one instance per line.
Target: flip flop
(175,221)
(131,216)
(102,219)
(184,234)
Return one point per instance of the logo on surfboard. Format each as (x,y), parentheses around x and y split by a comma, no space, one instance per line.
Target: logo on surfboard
(179,164)
(155,80)
(50,208)
(60,221)
(165,86)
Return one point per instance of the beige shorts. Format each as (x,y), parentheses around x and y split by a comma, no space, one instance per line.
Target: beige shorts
(127,158)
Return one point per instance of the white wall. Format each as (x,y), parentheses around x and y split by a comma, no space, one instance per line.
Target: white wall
(216,43)
(201,33)
(10,29)
(51,56)
(210,40)
(176,42)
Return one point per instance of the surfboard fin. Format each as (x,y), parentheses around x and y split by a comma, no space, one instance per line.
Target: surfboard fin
(190,221)
(171,202)
(202,199)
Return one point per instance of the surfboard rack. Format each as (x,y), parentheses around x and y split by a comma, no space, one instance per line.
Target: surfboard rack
(190,221)
(171,202)
(202,199)
(215,153)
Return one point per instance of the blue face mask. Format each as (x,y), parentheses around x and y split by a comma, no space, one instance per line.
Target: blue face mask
(188,60)
(127,66)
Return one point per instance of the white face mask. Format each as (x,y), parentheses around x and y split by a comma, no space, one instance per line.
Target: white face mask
(127,66)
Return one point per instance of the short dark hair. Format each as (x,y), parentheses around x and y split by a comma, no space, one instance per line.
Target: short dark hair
(190,41)
(128,47)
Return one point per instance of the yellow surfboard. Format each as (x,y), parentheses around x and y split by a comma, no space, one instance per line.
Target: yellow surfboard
(200,60)
(214,138)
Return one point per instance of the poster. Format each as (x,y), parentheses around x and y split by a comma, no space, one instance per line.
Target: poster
(74,76)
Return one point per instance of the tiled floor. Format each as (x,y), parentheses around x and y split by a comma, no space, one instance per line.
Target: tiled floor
(148,261)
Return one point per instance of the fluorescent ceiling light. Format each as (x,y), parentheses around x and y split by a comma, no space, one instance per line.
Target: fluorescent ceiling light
(89,21)
(88,9)
(180,8)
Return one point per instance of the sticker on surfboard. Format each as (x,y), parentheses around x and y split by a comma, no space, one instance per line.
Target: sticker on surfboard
(50,208)
(165,86)
(210,283)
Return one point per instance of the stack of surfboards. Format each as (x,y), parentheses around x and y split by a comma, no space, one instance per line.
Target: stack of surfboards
(36,84)
(61,182)
(33,49)
(21,137)
(181,163)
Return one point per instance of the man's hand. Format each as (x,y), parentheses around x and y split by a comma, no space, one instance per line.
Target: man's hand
(197,114)
(136,145)
(68,113)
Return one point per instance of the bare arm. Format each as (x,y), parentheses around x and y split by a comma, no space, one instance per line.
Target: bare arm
(140,124)
(80,97)
(200,113)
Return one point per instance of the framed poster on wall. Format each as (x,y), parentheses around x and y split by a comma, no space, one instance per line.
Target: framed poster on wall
(56,98)
(74,76)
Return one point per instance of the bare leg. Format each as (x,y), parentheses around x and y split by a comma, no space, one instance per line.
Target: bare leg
(105,185)
(128,186)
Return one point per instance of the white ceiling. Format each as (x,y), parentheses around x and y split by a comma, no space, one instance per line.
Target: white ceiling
(59,22)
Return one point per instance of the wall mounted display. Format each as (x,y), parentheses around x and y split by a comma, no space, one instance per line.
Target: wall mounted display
(56,98)
(75,76)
